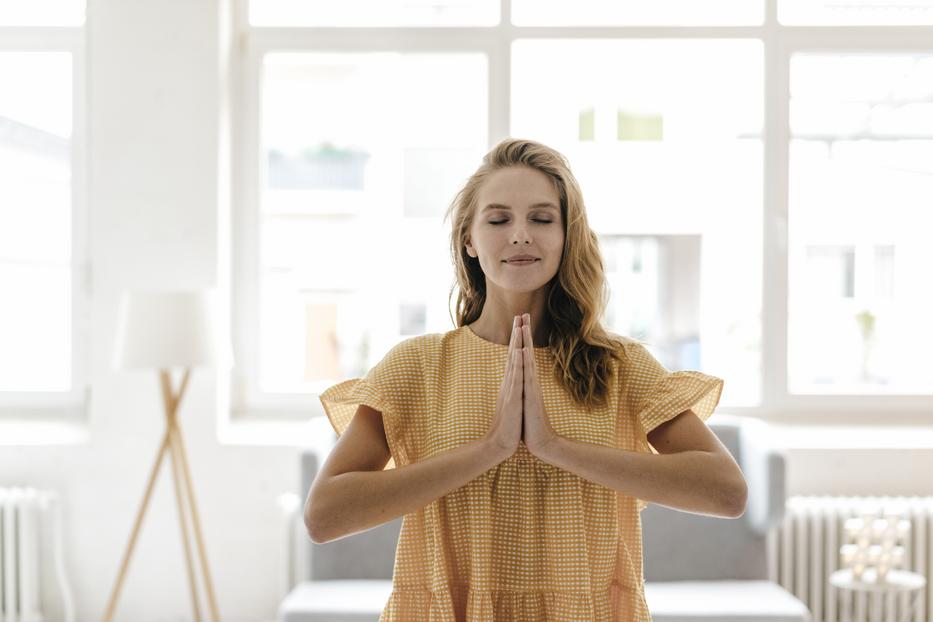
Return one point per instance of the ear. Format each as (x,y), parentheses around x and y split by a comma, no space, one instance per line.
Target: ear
(470,251)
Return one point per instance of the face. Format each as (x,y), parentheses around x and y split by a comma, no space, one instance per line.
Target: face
(517,225)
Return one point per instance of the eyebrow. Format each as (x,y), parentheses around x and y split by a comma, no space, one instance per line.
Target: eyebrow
(501,206)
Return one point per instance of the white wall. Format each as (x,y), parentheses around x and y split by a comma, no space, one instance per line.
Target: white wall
(158,205)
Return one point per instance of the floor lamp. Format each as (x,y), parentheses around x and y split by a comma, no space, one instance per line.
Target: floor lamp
(161,330)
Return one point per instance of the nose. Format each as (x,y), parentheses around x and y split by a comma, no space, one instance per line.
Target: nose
(521,237)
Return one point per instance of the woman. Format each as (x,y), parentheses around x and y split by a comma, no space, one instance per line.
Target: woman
(524,443)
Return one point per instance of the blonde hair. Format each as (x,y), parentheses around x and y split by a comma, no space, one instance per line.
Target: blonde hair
(578,293)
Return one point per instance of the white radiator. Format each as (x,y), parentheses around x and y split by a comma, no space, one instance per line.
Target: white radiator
(804,551)
(21,511)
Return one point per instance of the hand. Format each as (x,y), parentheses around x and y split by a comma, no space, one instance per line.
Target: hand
(536,430)
(505,431)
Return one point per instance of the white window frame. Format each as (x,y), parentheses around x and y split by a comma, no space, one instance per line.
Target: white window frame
(70,407)
(779,43)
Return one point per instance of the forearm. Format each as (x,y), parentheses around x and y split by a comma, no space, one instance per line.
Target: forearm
(353,502)
(692,481)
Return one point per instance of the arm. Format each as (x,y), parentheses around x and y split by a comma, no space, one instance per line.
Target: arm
(693,472)
(352,502)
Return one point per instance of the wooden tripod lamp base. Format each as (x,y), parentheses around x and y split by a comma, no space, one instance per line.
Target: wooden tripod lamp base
(163,330)
(172,441)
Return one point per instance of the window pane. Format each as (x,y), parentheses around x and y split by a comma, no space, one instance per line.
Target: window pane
(861,179)
(641,13)
(42,13)
(35,221)
(855,12)
(374,13)
(667,148)
(363,153)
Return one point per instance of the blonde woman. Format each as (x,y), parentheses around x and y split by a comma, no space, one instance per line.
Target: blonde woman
(521,446)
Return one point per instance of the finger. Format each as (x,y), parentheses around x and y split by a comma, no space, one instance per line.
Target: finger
(526,373)
(529,379)
(519,371)
(527,329)
(516,341)
(520,382)
(510,360)
(527,361)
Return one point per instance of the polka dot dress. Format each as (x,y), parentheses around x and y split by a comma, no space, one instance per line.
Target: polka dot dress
(525,540)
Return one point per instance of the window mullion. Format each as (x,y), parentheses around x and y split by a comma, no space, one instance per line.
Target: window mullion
(857,38)
(774,303)
(245,226)
(36,38)
(500,87)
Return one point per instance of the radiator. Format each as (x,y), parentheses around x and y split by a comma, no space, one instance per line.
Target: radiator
(21,533)
(804,551)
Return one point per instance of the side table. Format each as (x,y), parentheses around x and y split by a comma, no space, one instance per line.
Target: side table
(896,581)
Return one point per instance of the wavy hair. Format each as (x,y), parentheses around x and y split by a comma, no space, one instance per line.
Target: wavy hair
(577,295)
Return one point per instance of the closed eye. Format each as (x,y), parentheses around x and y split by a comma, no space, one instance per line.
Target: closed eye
(499,222)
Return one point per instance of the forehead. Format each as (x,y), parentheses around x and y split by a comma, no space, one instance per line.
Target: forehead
(518,187)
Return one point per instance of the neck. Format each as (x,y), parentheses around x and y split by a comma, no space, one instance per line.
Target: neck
(495,322)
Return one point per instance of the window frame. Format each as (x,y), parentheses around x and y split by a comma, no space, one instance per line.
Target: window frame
(72,406)
(779,43)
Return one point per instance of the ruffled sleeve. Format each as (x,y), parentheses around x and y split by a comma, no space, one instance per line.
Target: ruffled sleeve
(658,395)
(675,392)
(378,389)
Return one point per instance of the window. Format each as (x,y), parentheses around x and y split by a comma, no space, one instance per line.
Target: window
(861,149)
(696,132)
(43,326)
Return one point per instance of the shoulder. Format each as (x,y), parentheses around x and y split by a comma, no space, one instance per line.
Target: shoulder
(432,350)
(402,370)
(419,348)
(406,348)
(627,347)
(636,359)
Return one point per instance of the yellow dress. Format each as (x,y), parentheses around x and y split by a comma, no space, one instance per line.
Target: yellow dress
(525,540)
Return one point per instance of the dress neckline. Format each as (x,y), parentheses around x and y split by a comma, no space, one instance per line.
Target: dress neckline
(502,346)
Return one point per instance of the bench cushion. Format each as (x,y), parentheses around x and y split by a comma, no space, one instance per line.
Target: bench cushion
(732,601)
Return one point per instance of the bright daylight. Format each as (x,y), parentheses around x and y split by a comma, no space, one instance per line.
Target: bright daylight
(436,310)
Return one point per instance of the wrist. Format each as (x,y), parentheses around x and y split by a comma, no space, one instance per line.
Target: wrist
(493,451)
(548,448)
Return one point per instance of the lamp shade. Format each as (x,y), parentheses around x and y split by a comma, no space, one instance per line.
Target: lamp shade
(170,328)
